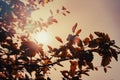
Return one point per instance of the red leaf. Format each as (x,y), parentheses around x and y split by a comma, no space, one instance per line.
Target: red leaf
(78,32)
(74,27)
(59,39)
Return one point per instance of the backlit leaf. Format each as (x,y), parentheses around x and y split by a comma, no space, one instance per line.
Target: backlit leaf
(74,27)
(73,67)
(105,60)
(63,8)
(91,36)
(86,41)
(114,54)
(59,39)
(50,48)
(64,14)
(78,32)
(68,11)
(105,69)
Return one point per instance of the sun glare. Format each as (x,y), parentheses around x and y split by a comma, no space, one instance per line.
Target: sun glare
(41,37)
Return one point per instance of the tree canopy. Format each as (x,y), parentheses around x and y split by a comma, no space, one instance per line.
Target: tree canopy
(18,51)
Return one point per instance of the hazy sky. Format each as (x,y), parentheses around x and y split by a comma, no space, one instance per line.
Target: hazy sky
(91,15)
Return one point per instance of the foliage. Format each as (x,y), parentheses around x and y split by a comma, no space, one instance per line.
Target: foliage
(17,58)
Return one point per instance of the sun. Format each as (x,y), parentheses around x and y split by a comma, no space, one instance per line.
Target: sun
(42,37)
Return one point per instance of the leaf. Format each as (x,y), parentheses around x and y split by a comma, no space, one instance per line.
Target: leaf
(45,69)
(96,68)
(86,74)
(93,44)
(109,67)
(51,12)
(50,48)
(64,14)
(74,27)
(63,8)
(106,60)
(91,36)
(86,41)
(73,67)
(90,65)
(107,38)
(59,39)
(105,69)
(78,32)
(100,34)
(46,1)
(68,11)
(114,53)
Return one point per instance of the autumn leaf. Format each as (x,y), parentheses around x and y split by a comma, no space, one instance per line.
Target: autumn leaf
(68,11)
(105,69)
(45,69)
(63,8)
(96,68)
(50,48)
(64,14)
(74,27)
(78,32)
(86,41)
(73,67)
(46,1)
(91,36)
(59,39)
(106,60)
(107,38)
(114,53)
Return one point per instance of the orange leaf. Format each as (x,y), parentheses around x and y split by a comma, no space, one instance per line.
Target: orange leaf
(46,1)
(50,48)
(78,32)
(59,39)
(86,41)
(73,67)
(91,36)
(74,27)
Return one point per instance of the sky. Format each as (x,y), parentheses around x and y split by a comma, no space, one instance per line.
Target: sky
(91,15)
